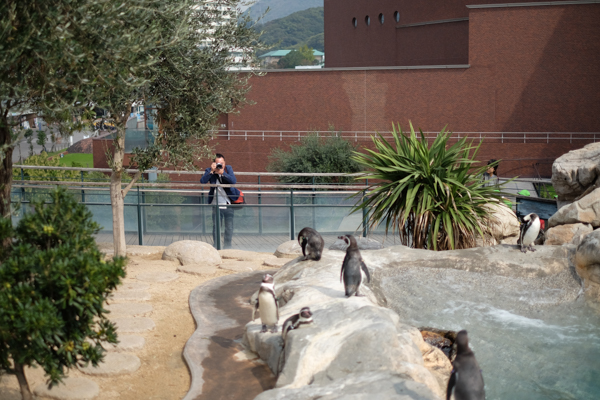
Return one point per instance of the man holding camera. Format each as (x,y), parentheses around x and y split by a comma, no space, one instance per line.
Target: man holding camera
(220,173)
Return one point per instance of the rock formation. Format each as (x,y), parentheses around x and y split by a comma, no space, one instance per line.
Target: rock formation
(504,226)
(576,173)
(192,252)
(354,346)
(585,210)
(567,234)
(587,264)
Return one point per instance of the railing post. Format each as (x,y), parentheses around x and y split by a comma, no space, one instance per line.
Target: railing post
(217,220)
(139,218)
(365,212)
(144,214)
(22,189)
(260,221)
(202,202)
(82,189)
(314,224)
(292,216)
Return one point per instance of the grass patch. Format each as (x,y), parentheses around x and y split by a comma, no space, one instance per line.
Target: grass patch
(546,191)
(86,160)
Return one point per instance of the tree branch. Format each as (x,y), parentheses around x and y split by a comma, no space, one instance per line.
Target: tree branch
(133,181)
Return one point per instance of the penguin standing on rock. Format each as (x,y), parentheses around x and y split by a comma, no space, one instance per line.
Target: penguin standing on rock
(266,304)
(466,379)
(304,317)
(312,244)
(530,228)
(353,267)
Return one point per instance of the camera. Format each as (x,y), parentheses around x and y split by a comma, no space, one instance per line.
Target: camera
(219,166)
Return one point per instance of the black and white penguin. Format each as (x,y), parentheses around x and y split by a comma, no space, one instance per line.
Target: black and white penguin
(304,317)
(530,228)
(466,378)
(266,304)
(312,244)
(353,267)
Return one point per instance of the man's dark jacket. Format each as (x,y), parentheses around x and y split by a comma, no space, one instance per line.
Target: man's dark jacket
(228,178)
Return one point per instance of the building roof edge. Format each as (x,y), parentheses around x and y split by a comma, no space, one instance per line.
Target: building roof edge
(538,4)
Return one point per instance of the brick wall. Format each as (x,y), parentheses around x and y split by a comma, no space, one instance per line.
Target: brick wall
(532,69)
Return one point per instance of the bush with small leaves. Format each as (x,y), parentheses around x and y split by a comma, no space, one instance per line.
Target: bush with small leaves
(54,283)
(324,153)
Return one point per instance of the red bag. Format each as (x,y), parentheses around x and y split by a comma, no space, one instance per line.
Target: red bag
(240,199)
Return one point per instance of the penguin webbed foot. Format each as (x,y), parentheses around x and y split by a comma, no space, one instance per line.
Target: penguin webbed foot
(274,329)
(523,249)
(264,329)
(531,248)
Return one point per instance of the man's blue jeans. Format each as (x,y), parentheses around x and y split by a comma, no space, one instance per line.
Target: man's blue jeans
(227,215)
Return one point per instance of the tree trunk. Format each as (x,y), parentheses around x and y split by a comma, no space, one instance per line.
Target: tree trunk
(5,175)
(20,372)
(116,196)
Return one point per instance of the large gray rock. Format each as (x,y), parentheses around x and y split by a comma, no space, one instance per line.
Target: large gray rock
(504,223)
(362,242)
(289,249)
(585,210)
(575,172)
(349,336)
(567,234)
(192,252)
(244,255)
(360,386)
(587,264)
(505,260)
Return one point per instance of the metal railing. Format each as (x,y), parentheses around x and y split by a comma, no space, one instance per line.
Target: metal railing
(318,205)
(366,135)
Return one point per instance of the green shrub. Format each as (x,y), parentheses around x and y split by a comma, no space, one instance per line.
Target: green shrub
(54,283)
(433,195)
(315,154)
(45,174)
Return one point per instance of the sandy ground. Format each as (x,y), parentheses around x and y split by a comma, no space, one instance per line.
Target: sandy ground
(163,373)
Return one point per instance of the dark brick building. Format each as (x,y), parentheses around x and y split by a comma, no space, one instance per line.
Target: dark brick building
(524,76)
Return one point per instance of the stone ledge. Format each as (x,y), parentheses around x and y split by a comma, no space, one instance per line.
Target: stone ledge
(350,340)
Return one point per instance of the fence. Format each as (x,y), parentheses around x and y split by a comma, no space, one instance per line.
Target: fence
(525,137)
(158,213)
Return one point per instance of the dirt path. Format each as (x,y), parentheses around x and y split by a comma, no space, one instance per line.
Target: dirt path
(224,376)
(163,373)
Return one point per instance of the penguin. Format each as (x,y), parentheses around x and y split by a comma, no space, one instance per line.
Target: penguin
(353,267)
(266,304)
(312,244)
(530,228)
(466,379)
(304,317)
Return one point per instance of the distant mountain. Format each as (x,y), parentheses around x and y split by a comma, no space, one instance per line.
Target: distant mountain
(280,8)
(295,30)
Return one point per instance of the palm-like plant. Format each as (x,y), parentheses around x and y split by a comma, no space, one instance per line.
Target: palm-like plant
(433,195)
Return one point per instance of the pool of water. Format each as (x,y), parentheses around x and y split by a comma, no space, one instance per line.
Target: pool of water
(533,338)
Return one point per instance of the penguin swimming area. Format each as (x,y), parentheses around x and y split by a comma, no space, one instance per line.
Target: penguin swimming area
(534,338)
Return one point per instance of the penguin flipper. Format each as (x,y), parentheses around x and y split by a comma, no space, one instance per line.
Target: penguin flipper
(304,242)
(363,266)
(276,305)
(451,384)
(254,309)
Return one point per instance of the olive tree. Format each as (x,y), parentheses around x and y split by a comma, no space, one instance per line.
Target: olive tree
(54,281)
(177,55)
(190,82)
(53,54)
